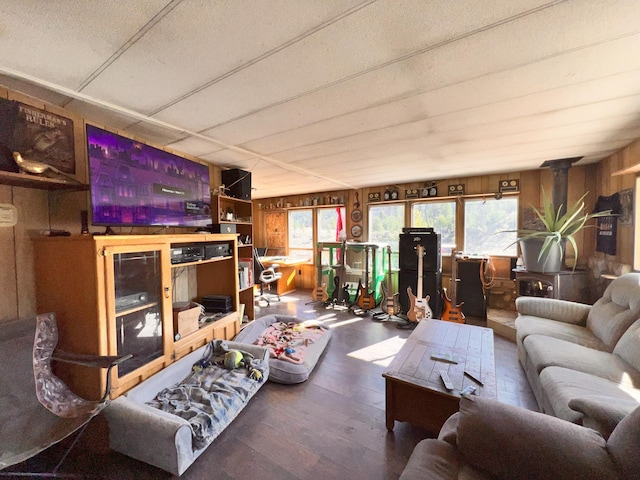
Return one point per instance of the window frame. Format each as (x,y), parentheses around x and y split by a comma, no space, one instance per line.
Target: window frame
(513,252)
(441,200)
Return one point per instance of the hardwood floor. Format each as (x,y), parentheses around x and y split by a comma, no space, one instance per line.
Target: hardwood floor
(331,426)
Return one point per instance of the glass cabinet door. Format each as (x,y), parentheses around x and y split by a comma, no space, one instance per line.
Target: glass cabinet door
(138,307)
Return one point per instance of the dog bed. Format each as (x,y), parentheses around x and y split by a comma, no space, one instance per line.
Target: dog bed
(305,341)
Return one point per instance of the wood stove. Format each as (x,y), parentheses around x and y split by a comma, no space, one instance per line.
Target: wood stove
(565,285)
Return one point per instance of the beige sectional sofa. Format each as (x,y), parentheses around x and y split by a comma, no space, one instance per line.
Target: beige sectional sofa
(583,361)
(490,440)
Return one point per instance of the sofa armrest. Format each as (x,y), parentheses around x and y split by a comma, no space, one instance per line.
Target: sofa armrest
(558,310)
(601,412)
(133,424)
(432,460)
(511,442)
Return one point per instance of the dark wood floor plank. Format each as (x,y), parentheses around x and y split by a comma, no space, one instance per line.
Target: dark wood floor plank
(331,426)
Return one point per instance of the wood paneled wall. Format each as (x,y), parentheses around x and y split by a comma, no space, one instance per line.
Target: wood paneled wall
(40,210)
(582,179)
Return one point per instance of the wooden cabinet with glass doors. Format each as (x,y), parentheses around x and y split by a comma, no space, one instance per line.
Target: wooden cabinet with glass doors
(113,295)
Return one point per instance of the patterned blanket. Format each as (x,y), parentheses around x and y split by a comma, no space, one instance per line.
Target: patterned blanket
(211,395)
(289,341)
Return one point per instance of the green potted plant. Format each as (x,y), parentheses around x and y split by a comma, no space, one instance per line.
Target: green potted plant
(543,249)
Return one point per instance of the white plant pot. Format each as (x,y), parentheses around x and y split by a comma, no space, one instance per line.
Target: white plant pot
(550,263)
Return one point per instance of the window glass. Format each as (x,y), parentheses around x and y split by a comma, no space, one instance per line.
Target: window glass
(483,218)
(327,221)
(300,230)
(441,216)
(385,225)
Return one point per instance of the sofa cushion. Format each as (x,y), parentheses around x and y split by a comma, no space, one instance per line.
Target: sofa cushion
(561,385)
(628,347)
(283,371)
(624,445)
(618,308)
(560,310)
(526,325)
(602,413)
(545,351)
(438,460)
(509,442)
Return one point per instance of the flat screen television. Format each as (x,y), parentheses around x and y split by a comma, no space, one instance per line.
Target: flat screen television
(135,184)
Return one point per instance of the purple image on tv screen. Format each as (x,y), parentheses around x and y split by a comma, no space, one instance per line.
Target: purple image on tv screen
(135,184)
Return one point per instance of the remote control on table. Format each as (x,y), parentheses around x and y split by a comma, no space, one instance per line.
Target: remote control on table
(468,390)
(448,384)
(445,357)
(474,378)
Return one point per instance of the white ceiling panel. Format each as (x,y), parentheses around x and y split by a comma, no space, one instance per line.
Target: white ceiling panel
(376,93)
(341,93)
(66,41)
(201,42)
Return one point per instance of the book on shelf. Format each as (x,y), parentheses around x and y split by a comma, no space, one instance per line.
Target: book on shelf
(245,272)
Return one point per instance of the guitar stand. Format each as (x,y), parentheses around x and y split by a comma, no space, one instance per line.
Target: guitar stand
(312,302)
(382,316)
(407,325)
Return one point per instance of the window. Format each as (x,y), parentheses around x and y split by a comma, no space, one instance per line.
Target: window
(483,218)
(441,216)
(300,231)
(385,225)
(327,222)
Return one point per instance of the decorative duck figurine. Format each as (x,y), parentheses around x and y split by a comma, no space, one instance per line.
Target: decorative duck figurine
(38,168)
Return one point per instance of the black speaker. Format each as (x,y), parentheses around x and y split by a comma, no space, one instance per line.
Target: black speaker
(432,260)
(469,288)
(431,285)
(84,221)
(238,183)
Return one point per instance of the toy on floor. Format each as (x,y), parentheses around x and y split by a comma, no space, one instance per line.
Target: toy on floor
(232,359)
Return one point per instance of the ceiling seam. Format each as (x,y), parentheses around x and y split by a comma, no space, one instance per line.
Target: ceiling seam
(376,67)
(456,143)
(265,55)
(414,94)
(434,117)
(129,43)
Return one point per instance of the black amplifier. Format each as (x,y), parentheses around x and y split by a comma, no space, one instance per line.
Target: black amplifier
(417,230)
(432,260)
(217,303)
(216,250)
(223,228)
(187,253)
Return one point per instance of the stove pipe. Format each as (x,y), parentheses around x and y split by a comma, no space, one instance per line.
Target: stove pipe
(560,171)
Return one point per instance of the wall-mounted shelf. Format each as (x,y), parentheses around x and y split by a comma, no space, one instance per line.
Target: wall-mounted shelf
(42,183)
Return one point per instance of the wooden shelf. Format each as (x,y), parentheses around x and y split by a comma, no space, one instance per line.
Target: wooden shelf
(42,183)
(201,262)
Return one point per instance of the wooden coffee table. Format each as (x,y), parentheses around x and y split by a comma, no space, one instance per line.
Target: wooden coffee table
(415,392)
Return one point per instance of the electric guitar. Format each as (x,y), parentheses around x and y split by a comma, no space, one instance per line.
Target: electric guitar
(419,309)
(340,292)
(366,299)
(390,304)
(320,292)
(450,311)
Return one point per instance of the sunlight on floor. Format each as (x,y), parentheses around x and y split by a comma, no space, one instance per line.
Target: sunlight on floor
(346,322)
(380,353)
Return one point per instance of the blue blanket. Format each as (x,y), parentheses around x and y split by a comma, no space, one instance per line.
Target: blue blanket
(209,397)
